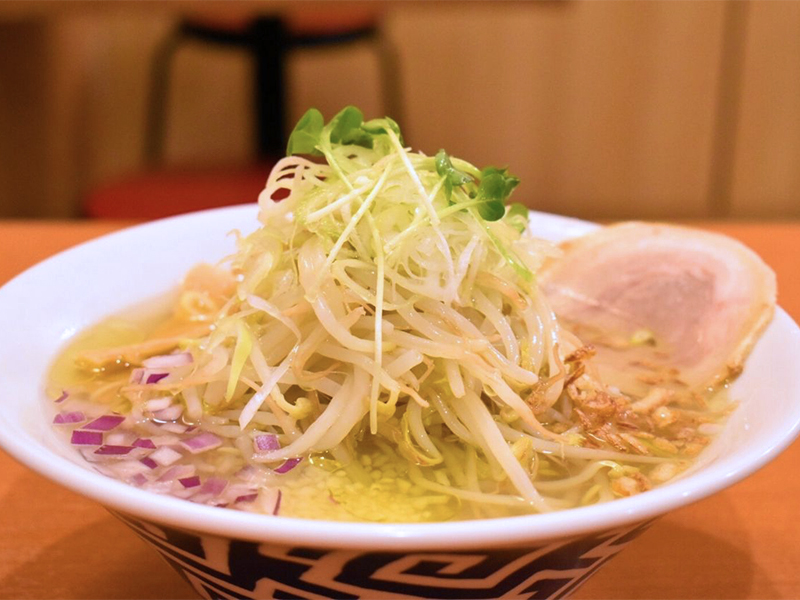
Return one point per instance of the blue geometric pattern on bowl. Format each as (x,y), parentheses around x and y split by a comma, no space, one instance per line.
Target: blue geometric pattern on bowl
(223,568)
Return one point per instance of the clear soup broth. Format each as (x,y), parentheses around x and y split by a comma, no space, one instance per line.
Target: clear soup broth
(128,422)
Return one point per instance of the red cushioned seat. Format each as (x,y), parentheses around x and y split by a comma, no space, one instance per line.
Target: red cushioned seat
(157,194)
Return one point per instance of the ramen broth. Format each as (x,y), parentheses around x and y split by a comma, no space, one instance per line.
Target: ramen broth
(151,449)
(393,344)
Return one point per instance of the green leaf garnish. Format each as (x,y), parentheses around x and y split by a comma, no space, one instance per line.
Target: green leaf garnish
(497,183)
(495,188)
(489,192)
(346,128)
(492,210)
(452,176)
(383,126)
(517,216)
(306,135)
(312,136)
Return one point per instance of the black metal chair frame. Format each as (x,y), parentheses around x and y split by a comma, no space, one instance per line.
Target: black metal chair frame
(269,41)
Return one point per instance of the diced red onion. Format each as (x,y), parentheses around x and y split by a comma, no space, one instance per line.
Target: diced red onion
(165,456)
(247,473)
(190,482)
(236,489)
(265,442)
(137,375)
(202,442)
(178,491)
(64,395)
(160,487)
(156,377)
(165,440)
(105,423)
(171,413)
(64,418)
(128,467)
(86,438)
(112,450)
(247,497)
(143,443)
(158,403)
(173,427)
(269,500)
(149,462)
(167,361)
(139,479)
(213,486)
(89,455)
(177,472)
(121,437)
(288,465)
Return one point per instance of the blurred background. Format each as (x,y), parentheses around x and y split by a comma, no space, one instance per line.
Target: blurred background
(604,109)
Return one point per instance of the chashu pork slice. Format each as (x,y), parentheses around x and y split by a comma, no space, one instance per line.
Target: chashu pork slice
(664,305)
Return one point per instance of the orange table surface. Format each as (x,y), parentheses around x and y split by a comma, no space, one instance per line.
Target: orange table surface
(741,543)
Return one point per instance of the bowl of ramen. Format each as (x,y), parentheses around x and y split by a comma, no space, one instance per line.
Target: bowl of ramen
(389,381)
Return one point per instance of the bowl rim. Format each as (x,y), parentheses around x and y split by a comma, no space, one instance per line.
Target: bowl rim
(486,533)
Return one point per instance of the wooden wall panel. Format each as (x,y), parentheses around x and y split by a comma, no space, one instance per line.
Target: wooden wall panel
(116,71)
(604,109)
(72,90)
(766,177)
(332,79)
(24,131)
(210,108)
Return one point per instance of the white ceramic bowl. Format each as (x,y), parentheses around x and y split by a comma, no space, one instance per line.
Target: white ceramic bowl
(225,553)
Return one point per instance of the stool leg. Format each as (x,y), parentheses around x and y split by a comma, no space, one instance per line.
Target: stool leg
(269,43)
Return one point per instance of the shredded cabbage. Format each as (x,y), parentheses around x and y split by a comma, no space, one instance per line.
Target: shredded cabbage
(388,288)
(385,324)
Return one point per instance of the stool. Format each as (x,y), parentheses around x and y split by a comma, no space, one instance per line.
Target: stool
(160,192)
